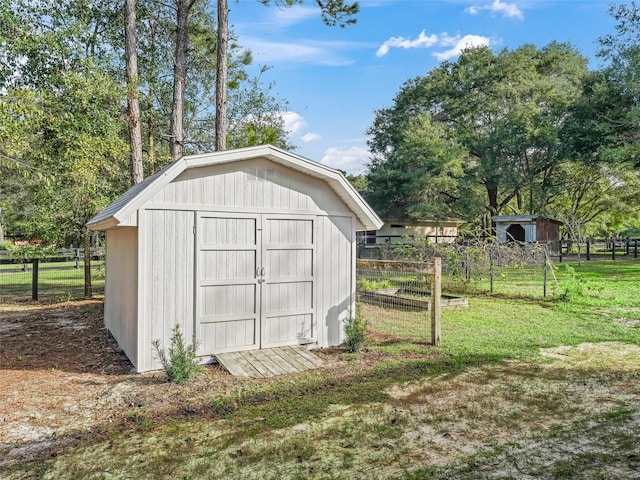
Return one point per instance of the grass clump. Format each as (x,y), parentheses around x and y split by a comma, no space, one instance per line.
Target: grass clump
(367,285)
(180,362)
(355,331)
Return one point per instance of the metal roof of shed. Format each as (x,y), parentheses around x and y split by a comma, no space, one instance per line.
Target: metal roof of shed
(134,198)
(522,219)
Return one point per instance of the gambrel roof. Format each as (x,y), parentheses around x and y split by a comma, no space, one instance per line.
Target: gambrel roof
(134,198)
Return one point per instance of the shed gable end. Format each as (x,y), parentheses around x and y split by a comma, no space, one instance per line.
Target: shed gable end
(252,184)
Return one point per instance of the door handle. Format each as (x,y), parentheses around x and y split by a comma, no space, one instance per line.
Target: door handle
(262,272)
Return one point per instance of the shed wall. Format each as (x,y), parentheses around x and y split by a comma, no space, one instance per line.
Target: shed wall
(251,184)
(167,244)
(529,231)
(548,231)
(336,277)
(121,286)
(419,231)
(166,280)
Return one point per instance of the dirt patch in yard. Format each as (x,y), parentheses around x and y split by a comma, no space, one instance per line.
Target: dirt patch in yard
(63,375)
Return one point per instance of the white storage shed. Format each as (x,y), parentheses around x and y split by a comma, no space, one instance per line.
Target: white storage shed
(244,249)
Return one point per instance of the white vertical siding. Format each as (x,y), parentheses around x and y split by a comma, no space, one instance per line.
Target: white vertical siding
(121,301)
(252,184)
(336,283)
(166,280)
(308,244)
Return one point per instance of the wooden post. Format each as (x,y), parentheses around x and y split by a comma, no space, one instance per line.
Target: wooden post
(588,249)
(34,279)
(560,251)
(613,249)
(490,270)
(436,304)
(544,289)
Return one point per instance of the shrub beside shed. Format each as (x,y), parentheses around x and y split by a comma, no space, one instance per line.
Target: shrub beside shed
(244,249)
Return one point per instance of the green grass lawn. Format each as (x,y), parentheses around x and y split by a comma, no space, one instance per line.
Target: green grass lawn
(521,386)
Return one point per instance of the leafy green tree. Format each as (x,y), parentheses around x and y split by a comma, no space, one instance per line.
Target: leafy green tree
(423,175)
(503,110)
(76,142)
(596,200)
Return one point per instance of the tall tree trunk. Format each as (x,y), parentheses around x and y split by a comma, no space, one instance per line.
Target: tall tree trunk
(88,291)
(221,75)
(151,155)
(133,106)
(492,193)
(176,144)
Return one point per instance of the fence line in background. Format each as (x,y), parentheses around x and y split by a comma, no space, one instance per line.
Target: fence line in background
(383,247)
(57,277)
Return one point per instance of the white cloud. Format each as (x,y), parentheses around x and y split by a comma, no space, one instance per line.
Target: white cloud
(293,122)
(352,159)
(509,10)
(300,51)
(400,42)
(310,137)
(459,44)
(285,17)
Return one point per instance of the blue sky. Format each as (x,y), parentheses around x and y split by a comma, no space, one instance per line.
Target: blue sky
(335,78)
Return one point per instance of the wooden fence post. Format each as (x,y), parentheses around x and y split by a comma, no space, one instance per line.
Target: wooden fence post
(34,279)
(436,304)
(613,249)
(560,251)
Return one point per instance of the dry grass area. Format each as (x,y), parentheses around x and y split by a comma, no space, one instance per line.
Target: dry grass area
(70,408)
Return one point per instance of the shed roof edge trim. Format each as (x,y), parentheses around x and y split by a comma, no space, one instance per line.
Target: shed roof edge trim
(136,196)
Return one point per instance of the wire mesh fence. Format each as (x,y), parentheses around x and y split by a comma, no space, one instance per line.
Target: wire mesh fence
(396,296)
(483,267)
(57,278)
(395,299)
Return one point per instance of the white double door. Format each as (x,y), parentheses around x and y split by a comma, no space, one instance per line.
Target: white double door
(255,281)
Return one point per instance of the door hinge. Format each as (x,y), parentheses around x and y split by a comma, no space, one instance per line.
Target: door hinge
(194,228)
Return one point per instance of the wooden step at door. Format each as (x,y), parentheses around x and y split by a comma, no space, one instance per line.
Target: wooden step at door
(268,362)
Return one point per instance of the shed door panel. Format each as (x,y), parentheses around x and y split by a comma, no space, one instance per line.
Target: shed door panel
(227,287)
(255,282)
(288,316)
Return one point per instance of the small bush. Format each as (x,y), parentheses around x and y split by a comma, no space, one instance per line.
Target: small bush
(573,286)
(355,331)
(180,363)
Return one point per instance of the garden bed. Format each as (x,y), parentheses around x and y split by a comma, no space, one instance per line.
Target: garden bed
(409,298)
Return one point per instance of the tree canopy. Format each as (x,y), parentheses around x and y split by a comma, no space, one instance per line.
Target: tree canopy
(496,132)
(58,57)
